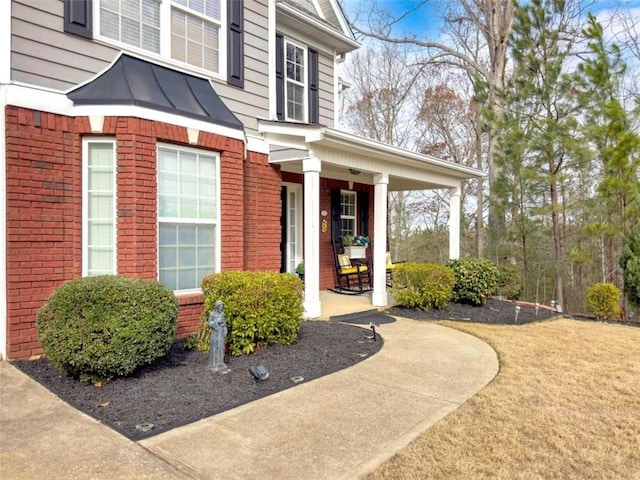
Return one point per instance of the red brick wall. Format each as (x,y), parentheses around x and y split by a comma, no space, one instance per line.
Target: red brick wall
(327,267)
(43,218)
(44,210)
(262,211)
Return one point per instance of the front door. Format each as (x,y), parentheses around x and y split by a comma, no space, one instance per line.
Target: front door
(291,219)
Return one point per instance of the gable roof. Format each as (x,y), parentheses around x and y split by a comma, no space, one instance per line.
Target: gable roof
(133,81)
(337,33)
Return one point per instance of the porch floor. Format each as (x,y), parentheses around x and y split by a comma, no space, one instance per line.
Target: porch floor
(334,304)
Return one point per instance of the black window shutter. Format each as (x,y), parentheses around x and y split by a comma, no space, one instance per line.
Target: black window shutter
(336,199)
(314,92)
(363,211)
(78,17)
(280,76)
(235,43)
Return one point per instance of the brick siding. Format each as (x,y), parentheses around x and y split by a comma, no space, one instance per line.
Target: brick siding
(327,266)
(44,210)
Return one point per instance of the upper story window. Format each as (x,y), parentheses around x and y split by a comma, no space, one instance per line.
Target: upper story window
(134,22)
(189,31)
(195,33)
(296,82)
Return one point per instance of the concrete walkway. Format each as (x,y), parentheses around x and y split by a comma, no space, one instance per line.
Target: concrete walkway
(337,427)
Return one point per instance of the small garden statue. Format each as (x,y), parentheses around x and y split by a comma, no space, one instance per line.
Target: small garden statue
(218,334)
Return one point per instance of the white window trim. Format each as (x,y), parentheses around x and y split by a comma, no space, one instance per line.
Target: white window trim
(164,57)
(304,83)
(355,210)
(85,201)
(299,255)
(218,222)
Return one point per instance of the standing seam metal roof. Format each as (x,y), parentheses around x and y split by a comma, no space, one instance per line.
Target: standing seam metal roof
(133,81)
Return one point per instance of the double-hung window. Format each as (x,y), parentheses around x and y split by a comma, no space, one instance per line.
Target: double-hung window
(295,82)
(185,30)
(99,207)
(187,217)
(348,210)
(195,33)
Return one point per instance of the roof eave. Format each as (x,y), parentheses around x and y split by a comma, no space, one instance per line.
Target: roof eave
(334,138)
(342,42)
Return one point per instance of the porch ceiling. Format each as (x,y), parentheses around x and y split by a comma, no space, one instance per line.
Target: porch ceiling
(348,157)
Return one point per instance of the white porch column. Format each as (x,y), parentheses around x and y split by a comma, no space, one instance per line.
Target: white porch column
(311,167)
(454,222)
(379,298)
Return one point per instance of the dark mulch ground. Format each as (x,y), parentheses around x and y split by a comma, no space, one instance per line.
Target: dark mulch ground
(495,312)
(180,389)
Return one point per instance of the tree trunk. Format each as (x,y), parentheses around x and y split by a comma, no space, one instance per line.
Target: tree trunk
(480,195)
(558,253)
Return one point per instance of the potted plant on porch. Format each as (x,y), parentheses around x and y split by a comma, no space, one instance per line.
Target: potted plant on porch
(300,271)
(355,246)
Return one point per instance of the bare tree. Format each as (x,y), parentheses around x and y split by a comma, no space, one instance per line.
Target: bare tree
(382,104)
(477,33)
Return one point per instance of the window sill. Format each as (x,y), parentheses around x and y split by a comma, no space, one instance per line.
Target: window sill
(190,298)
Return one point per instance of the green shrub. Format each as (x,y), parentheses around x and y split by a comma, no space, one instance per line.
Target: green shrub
(509,282)
(630,263)
(261,308)
(96,328)
(476,279)
(603,300)
(422,285)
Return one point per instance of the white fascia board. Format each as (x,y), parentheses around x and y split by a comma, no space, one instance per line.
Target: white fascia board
(285,141)
(257,144)
(305,132)
(395,154)
(305,136)
(348,41)
(56,102)
(342,19)
(288,155)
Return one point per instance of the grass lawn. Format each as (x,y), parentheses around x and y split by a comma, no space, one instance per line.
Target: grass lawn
(565,405)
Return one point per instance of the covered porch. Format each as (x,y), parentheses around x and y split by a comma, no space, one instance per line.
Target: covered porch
(336,304)
(311,154)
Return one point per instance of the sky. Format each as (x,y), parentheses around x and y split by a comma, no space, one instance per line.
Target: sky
(426,15)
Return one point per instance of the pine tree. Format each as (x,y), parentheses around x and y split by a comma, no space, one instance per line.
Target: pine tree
(539,126)
(614,144)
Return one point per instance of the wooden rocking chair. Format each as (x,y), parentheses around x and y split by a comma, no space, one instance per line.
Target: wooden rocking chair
(352,278)
(389,267)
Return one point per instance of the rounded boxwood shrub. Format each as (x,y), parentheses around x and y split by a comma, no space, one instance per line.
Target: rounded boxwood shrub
(476,280)
(261,308)
(422,285)
(96,328)
(603,300)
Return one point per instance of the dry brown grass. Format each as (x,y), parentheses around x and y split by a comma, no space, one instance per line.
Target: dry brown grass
(565,405)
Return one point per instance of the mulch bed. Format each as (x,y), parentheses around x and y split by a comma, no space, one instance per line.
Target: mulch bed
(495,312)
(180,389)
